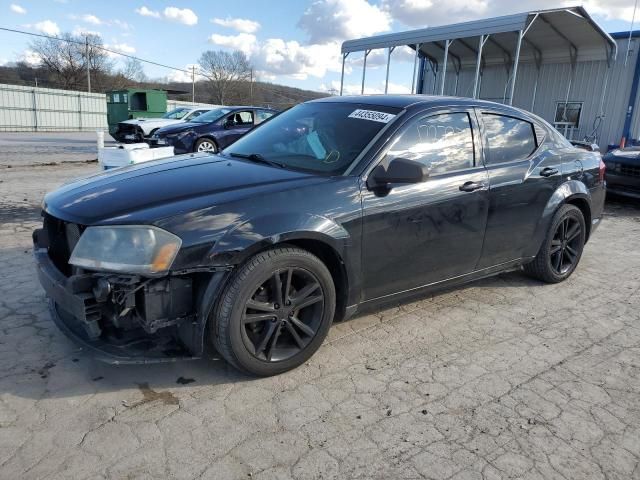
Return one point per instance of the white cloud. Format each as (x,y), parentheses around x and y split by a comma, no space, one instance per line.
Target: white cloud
(338,20)
(240,24)
(122,24)
(244,42)
(276,56)
(29,57)
(186,16)
(92,19)
(185,77)
(146,12)
(611,9)
(120,47)
(79,31)
(17,9)
(430,13)
(47,27)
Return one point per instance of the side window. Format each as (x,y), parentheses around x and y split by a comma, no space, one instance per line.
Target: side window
(245,118)
(509,138)
(442,142)
(194,114)
(262,115)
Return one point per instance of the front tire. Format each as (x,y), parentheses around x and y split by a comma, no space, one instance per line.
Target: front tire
(205,145)
(275,312)
(562,248)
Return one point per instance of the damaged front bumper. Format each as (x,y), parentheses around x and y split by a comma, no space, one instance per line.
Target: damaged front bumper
(127,318)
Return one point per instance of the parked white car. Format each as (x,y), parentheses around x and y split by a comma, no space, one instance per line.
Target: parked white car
(138,129)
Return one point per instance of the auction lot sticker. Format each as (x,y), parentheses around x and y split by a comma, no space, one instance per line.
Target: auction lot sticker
(372,115)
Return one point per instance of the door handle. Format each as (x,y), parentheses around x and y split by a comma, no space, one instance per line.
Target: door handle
(548,171)
(472,186)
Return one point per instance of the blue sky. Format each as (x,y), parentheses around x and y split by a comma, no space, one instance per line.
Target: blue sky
(294,42)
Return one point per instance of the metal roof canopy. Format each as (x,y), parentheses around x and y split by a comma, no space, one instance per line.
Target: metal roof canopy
(555,35)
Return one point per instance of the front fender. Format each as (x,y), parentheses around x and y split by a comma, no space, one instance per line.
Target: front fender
(256,234)
(569,190)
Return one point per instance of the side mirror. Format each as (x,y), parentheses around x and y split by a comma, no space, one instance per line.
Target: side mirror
(229,123)
(400,170)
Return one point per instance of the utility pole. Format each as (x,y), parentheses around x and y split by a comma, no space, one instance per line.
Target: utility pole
(86,54)
(193,83)
(251,86)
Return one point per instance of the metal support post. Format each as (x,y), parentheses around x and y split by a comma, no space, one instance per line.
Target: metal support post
(364,69)
(515,67)
(483,39)
(444,65)
(386,82)
(344,58)
(415,67)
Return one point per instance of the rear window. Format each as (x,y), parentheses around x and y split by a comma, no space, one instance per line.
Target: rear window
(509,138)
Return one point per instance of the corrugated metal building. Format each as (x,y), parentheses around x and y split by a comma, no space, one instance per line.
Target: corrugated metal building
(566,68)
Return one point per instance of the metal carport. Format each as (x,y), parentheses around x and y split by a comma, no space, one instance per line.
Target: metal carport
(564,35)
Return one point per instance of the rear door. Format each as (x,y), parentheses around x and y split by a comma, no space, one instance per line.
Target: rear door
(235,125)
(418,234)
(523,174)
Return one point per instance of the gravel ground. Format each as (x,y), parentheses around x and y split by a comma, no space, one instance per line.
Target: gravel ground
(21,149)
(506,378)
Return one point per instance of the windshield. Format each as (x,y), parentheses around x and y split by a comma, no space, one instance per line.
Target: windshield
(176,114)
(317,137)
(211,115)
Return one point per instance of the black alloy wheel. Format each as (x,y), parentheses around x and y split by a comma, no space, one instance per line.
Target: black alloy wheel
(562,248)
(283,315)
(274,312)
(565,245)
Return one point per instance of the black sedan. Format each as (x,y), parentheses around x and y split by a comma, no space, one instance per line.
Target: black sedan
(623,171)
(333,206)
(211,131)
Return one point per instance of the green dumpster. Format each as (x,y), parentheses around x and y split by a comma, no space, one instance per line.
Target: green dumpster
(134,103)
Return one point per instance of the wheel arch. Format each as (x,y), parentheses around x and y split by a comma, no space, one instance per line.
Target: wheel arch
(571,192)
(585,207)
(318,235)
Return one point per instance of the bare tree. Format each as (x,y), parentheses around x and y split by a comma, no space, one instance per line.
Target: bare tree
(66,58)
(133,70)
(224,70)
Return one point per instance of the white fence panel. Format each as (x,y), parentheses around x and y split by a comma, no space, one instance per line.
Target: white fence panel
(35,109)
(30,109)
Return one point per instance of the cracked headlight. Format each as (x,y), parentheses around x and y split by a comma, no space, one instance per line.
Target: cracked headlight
(126,248)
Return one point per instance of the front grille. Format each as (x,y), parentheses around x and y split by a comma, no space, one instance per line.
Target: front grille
(63,237)
(630,170)
(126,128)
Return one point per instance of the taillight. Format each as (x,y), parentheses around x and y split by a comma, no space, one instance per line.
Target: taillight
(603,167)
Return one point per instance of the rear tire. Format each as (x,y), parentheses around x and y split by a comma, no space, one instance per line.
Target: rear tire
(562,247)
(275,311)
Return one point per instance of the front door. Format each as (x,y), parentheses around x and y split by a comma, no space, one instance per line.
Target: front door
(235,125)
(419,234)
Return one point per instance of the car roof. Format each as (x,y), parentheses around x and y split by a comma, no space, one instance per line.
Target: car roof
(242,107)
(405,101)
